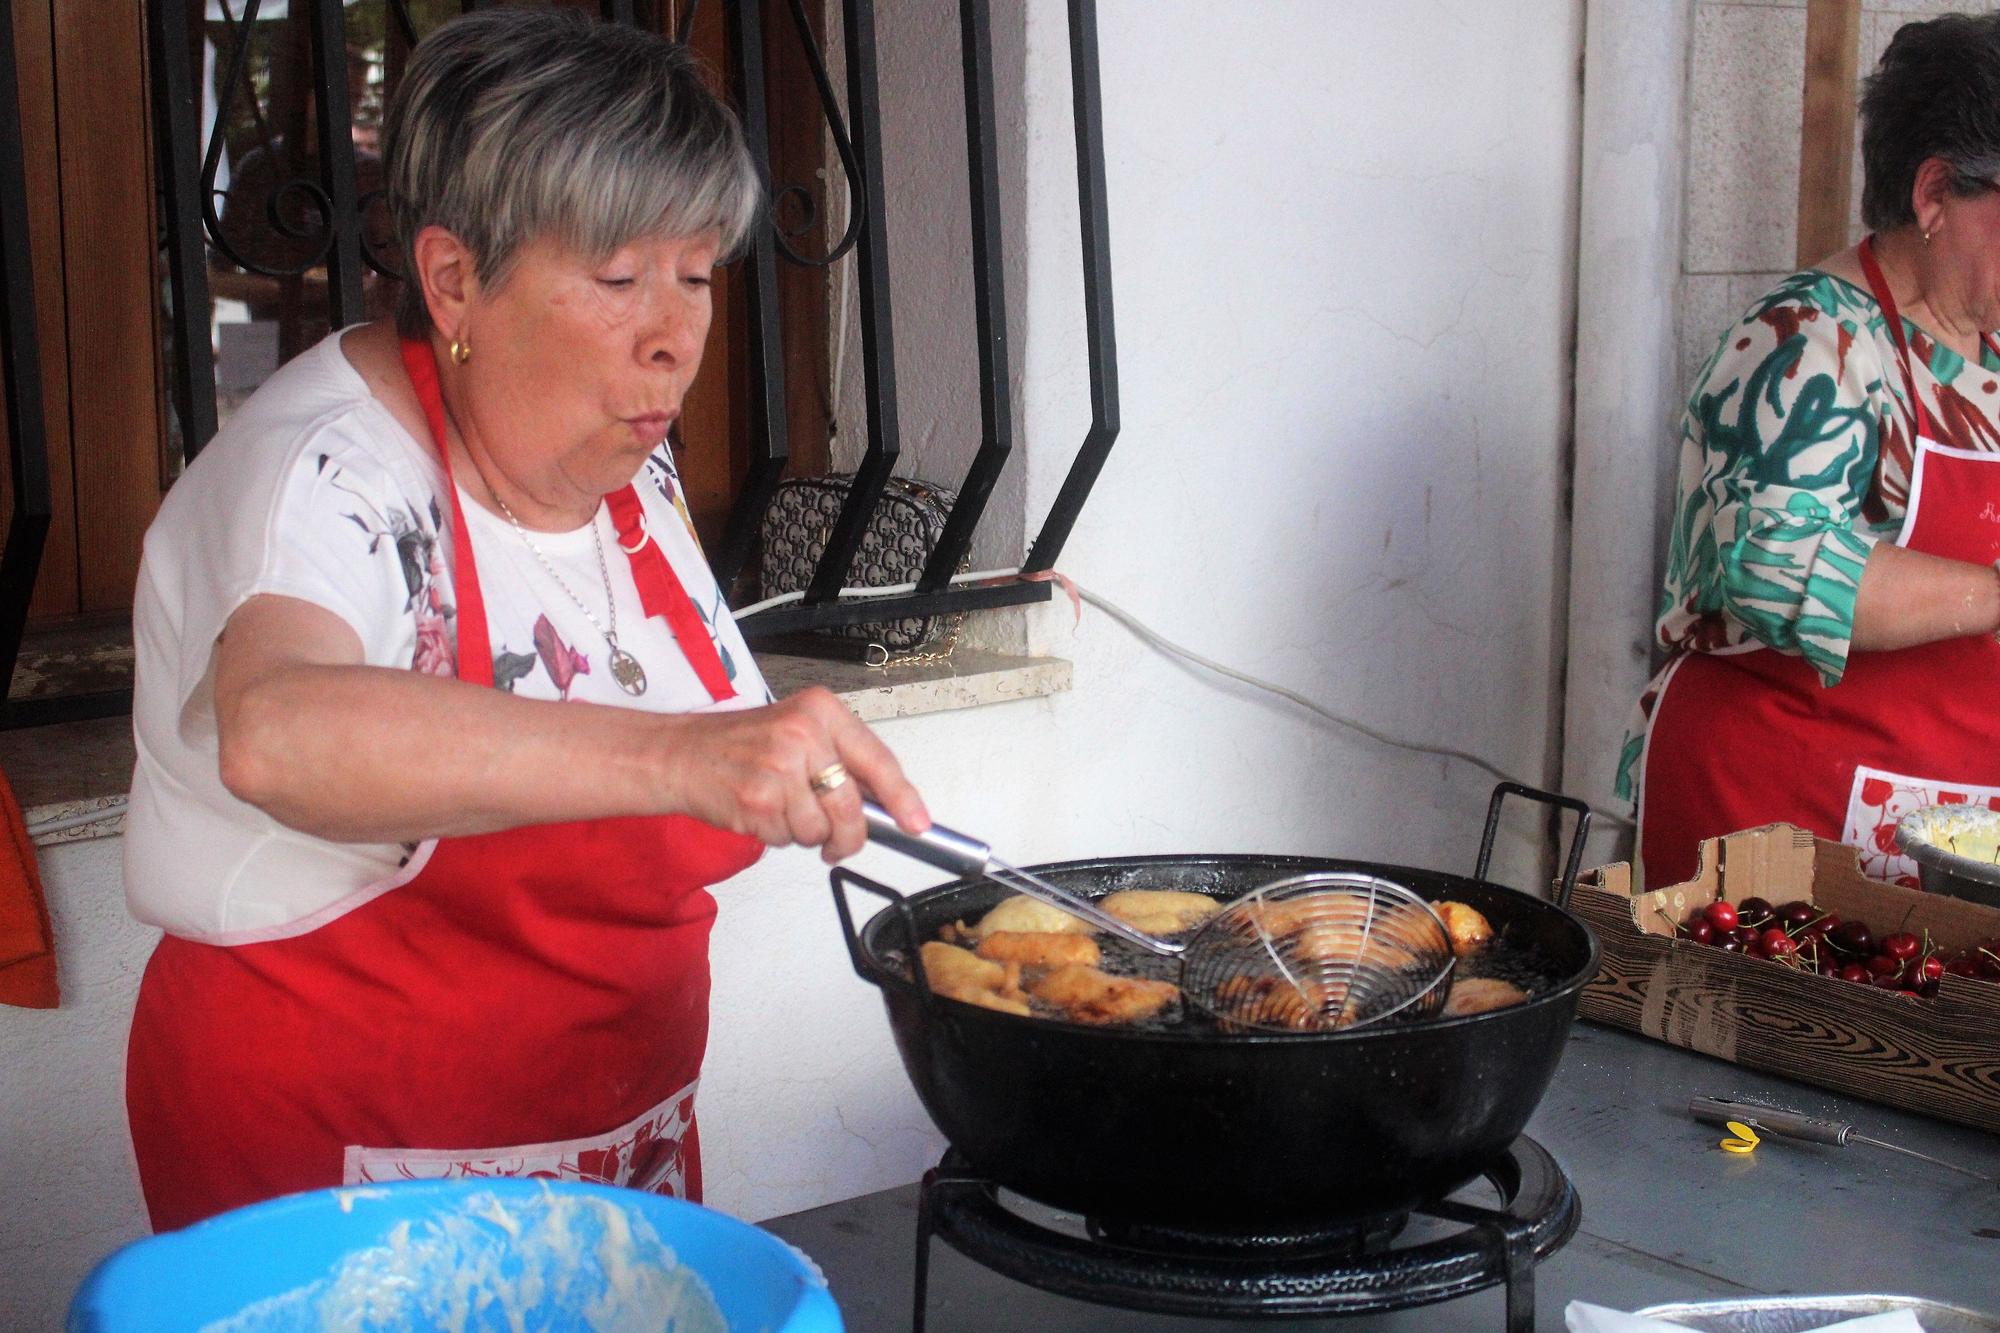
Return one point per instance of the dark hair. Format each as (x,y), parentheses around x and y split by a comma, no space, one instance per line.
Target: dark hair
(1936,93)
(512,124)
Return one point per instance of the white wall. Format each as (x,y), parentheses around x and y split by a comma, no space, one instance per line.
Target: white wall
(1343,243)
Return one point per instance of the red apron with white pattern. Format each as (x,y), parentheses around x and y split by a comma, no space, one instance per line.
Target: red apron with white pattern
(1747,738)
(530,1002)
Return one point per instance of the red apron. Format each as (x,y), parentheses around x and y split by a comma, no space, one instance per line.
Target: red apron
(1750,737)
(531,1002)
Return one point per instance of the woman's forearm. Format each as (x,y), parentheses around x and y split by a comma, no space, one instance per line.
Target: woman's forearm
(369,754)
(1908,598)
(355,753)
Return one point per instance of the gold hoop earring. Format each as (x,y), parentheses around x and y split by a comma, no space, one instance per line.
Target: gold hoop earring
(461,352)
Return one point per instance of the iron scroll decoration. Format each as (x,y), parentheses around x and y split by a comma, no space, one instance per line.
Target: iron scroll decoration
(319,218)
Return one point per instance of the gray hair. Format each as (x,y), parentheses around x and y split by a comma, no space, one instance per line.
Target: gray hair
(513,125)
(1936,93)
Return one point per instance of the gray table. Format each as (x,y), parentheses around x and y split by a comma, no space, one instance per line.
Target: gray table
(1667,1215)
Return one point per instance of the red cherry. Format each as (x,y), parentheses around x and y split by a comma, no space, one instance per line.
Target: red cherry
(1882,965)
(1902,946)
(1855,972)
(1699,931)
(1720,915)
(1773,936)
(1795,914)
(1854,937)
(1927,988)
(1729,944)
(1747,936)
(1753,911)
(1962,967)
(1928,969)
(1888,981)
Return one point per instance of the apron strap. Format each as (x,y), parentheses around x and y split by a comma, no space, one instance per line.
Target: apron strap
(661,593)
(475,650)
(1879,287)
(660,590)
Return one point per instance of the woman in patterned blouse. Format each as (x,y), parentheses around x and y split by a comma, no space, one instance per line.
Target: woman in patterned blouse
(1831,594)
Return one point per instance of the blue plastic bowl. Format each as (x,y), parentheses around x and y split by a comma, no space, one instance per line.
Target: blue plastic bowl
(544,1250)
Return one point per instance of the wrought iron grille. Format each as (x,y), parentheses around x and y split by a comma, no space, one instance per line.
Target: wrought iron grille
(318,220)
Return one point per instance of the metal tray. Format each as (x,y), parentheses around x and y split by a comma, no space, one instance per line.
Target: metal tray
(1797,1314)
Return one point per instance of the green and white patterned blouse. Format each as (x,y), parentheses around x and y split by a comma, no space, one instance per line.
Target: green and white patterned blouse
(1796,455)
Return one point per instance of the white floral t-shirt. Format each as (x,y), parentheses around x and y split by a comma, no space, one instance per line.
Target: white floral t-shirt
(315,491)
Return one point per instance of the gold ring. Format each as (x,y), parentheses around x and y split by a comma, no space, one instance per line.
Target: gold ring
(831,778)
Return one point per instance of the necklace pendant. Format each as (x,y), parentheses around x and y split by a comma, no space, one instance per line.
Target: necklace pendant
(625,669)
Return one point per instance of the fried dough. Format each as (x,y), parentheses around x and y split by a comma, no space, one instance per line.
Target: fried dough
(1090,996)
(1039,948)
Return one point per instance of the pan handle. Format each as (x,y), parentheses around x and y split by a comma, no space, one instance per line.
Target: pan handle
(841,879)
(1572,863)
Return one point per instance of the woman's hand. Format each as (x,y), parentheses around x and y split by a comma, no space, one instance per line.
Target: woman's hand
(753,772)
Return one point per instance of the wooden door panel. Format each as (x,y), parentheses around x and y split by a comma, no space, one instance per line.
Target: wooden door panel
(34,54)
(108,263)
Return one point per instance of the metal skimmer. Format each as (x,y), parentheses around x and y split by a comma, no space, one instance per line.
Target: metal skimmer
(1303,954)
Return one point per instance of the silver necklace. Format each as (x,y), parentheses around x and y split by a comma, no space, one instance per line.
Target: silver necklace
(625,668)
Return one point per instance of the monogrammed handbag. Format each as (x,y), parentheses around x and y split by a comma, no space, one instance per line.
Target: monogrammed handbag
(899,539)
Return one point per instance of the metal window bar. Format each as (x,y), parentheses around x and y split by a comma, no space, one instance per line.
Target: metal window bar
(934,594)
(337,210)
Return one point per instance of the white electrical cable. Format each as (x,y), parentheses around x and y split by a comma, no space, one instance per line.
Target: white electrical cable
(1155,639)
(42,828)
(850,594)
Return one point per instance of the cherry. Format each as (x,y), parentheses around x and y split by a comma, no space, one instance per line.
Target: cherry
(1882,965)
(1855,972)
(1720,915)
(1747,936)
(1777,944)
(1699,931)
(1929,969)
(1729,944)
(1753,911)
(1927,988)
(1901,946)
(1854,937)
(1888,981)
(1962,967)
(1795,914)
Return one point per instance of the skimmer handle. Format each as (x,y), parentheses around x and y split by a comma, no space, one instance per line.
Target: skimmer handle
(947,849)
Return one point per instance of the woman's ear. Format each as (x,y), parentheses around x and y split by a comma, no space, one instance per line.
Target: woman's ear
(446,269)
(1930,192)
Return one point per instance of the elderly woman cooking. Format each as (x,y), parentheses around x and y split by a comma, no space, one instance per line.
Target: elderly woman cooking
(1831,594)
(443,726)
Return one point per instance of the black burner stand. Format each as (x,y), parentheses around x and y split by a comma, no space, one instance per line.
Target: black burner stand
(1352,1270)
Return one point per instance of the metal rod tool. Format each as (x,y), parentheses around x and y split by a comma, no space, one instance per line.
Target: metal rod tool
(1781,1123)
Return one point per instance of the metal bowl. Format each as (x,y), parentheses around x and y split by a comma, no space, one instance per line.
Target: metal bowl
(1956,848)
(1798,1314)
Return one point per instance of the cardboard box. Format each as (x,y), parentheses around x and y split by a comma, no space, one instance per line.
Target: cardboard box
(1938,1056)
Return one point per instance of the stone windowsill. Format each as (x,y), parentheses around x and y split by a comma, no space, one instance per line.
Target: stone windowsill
(74,770)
